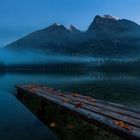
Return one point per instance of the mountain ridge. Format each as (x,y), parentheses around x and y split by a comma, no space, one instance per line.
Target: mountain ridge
(106,35)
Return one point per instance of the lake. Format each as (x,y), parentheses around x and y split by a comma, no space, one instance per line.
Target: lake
(17,122)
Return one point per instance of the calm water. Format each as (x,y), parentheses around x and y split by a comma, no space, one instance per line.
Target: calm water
(17,122)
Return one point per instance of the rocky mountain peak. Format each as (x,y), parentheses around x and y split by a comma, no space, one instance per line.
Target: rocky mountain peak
(105,21)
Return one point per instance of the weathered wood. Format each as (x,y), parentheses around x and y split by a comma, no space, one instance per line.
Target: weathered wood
(113,115)
(96,103)
(120,106)
(88,101)
(91,110)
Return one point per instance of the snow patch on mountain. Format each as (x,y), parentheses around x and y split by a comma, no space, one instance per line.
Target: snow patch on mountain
(110,17)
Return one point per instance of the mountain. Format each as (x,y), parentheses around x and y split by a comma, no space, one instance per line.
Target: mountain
(106,36)
(111,27)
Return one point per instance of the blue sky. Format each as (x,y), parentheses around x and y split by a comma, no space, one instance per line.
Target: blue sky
(20,17)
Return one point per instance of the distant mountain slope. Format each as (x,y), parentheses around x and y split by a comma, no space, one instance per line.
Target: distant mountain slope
(106,36)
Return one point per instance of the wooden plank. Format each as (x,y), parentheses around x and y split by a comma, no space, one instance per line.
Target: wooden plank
(88,100)
(119,106)
(109,108)
(101,111)
(134,121)
(104,112)
(91,116)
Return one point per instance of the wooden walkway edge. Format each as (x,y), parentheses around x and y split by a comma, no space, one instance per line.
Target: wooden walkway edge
(119,119)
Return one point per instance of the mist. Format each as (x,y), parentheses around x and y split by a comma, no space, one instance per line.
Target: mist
(36,57)
(8,57)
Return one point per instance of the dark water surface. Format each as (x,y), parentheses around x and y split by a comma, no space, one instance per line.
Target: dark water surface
(17,122)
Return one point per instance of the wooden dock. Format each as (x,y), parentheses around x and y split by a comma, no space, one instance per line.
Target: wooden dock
(116,118)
